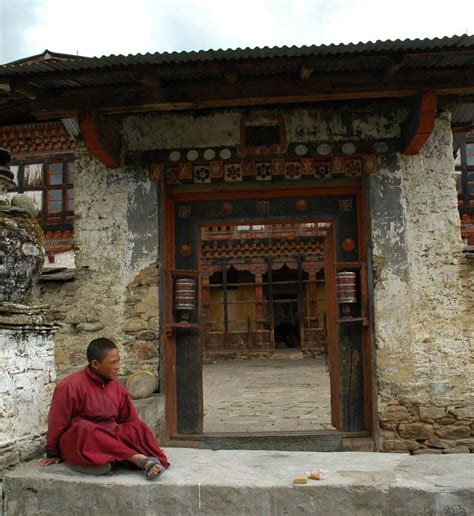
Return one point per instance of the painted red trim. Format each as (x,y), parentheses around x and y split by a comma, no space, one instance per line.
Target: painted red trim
(425,125)
(90,136)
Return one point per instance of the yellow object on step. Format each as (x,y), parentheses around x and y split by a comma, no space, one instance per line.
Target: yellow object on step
(302,479)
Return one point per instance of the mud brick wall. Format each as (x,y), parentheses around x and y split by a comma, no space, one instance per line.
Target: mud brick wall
(423,299)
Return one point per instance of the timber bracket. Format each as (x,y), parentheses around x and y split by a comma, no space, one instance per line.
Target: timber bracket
(101,137)
(420,124)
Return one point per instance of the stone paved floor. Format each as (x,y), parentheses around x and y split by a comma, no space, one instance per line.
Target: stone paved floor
(284,393)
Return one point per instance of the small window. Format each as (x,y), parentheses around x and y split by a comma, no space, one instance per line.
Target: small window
(71,172)
(55,204)
(33,175)
(258,135)
(70,200)
(56,174)
(470,154)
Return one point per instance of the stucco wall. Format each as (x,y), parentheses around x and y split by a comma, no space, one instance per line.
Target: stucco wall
(115,292)
(174,130)
(423,298)
(423,285)
(27,376)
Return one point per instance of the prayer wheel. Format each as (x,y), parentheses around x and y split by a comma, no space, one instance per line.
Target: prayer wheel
(185,296)
(346,287)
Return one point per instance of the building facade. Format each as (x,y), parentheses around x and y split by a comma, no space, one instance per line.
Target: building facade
(235,204)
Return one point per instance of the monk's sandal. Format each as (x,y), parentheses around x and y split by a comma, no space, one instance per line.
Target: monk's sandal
(147,463)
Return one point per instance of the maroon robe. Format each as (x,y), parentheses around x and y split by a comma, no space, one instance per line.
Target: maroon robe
(92,422)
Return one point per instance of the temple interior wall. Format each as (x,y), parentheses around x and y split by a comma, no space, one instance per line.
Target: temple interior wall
(423,323)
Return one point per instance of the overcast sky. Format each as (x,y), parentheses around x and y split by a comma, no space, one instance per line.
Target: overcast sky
(98,27)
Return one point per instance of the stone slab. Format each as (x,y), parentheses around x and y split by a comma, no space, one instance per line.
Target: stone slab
(219,483)
(152,411)
(330,441)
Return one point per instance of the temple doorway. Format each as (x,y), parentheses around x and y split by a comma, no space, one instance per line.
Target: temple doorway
(265,325)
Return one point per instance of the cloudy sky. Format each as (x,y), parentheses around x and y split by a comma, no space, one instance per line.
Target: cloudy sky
(98,27)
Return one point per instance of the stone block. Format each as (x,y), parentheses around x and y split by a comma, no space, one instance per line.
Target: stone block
(144,350)
(463,412)
(469,442)
(152,411)
(147,335)
(453,432)
(252,483)
(395,413)
(440,443)
(415,431)
(397,445)
(449,419)
(8,459)
(427,451)
(432,412)
(135,325)
(457,449)
(90,327)
(74,317)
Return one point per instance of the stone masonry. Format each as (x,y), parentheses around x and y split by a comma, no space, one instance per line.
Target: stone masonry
(422,288)
(423,295)
(27,376)
(115,292)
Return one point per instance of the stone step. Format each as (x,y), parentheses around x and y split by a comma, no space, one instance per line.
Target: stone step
(243,482)
(330,441)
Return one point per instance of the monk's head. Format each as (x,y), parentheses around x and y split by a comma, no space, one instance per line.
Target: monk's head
(104,358)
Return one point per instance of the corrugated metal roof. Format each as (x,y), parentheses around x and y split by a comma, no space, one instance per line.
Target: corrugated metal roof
(240,54)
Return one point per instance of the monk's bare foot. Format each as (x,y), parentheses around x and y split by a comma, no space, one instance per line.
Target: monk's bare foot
(138,461)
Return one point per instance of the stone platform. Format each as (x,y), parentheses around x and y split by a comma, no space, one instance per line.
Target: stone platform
(257,483)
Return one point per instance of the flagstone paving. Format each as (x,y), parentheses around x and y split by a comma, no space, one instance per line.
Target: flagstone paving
(284,393)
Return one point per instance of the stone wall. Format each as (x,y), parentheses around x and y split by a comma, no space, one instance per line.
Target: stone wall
(27,376)
(423,297)
(423,293)
(115,291)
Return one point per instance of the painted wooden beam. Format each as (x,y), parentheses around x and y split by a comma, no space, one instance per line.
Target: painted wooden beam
(101,138)
(252,91)
(421,124)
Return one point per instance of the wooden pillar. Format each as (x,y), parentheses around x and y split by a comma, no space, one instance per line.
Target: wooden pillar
(260,302)
(205,308)
(312,300)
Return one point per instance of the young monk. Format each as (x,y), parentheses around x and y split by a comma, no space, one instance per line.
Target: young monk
(92,421)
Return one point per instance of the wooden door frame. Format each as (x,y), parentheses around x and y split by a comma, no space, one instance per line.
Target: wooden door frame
(170,197)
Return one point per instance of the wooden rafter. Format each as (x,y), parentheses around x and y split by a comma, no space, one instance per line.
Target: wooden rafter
(255,91)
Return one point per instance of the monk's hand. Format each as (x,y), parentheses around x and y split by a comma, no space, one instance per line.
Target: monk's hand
(47,461)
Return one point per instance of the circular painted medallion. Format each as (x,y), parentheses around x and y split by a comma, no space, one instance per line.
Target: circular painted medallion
(185,250)
(301,205)
(324,149)
(225,154)
(175,155)
(209,154)
(301,150)
(192,155)
(348,245)
(348,148)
